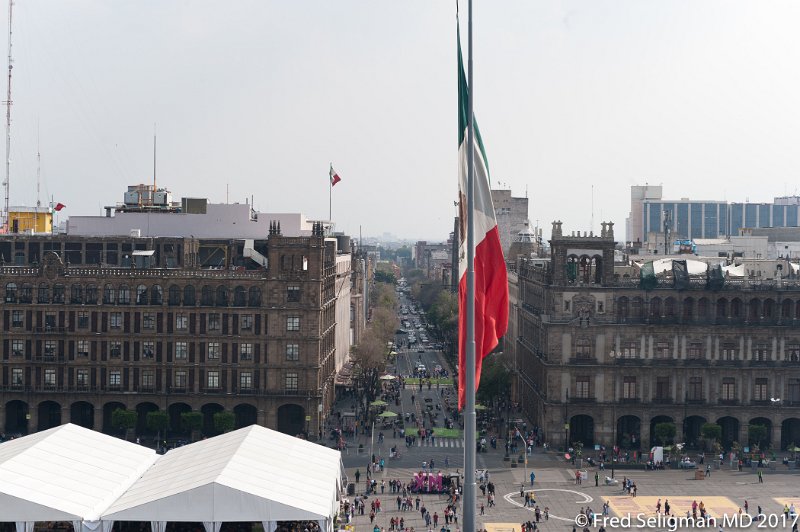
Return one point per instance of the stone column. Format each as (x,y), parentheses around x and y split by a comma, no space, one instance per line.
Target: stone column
(98,417)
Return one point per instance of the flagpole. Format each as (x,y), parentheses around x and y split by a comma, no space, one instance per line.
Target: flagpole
(469,501)
(330,197)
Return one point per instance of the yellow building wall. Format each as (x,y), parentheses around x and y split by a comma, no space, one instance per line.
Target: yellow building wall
(20,222)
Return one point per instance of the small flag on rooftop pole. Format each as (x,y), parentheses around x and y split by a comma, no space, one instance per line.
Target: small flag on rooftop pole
(58,207)
(334,177)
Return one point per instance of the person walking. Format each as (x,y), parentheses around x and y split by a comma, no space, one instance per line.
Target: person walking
(596,479)
(358,475)
(533,477)
(760,477)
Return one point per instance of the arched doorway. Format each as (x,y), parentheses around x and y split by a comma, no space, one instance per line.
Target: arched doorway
(175,426)
(208,410)
(142,409)
(581,429)
(49,415)
(691,430)
(246,415)
(763,443)
(82,413)
(16,417)
(730,430)
(108,410)
(790,433)
(629,429)
(291,419)
(655,421)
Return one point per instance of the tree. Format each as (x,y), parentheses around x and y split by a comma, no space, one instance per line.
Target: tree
(664,432)
(711,432)
(383,324)
(191,421)
(495,379)
(123,419)
(757,434)
(369,357)
(157,421)
(224,421)
(382,276)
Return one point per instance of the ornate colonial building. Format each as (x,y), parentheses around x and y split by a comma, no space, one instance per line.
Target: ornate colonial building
(90,324)
(603,360)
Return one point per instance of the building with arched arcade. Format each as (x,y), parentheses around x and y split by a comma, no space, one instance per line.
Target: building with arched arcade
(602,359)
(255,327)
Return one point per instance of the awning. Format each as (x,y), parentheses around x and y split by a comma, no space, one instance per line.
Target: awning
(144,252)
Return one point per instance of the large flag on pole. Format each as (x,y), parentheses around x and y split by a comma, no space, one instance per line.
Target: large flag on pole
(491,280)
(334,176)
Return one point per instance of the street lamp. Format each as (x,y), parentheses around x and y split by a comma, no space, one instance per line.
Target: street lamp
(613,355)
(566,422)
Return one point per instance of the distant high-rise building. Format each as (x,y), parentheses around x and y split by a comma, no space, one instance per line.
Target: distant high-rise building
(512,216)
(639,194)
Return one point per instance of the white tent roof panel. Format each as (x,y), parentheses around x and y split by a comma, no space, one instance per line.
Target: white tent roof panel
(251,474)
(66,472)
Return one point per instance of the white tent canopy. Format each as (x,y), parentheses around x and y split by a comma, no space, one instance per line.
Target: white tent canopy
(252,474)
(67,473)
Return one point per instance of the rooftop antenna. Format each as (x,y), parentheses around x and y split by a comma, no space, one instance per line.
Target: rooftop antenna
(8,120)
(38,169)
(591,224)
(153,197)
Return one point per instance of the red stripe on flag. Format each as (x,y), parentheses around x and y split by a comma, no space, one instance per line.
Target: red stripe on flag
(335,179)
(491,307)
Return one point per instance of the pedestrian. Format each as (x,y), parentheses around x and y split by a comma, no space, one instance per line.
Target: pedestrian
(482,512)
(358,475)
(746,506)
(596,479)
(533,477)
(708,471)
(760,477)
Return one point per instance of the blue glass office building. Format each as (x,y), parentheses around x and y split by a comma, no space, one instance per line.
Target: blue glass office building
(714,219)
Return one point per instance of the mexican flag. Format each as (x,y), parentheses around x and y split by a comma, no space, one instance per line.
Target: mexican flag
(491,280)
(334,176)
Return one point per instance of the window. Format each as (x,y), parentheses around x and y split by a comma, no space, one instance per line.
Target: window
(148,379)
(728,389)
(180,379)
(214,322)
(793,352)
(663,388)
(108,295)
(213,351)
(11,293)
(148,349)
(292,294)
(181,350)
(58,293)
(582,387)
(246,380)
(76,294)
(695,351)
(17,318)
(26,293)
(18,348)
(17,378)
(290,382)
(794,391)
(629,350)
(760,390)
(83,320)
(293,352)
(82,378)
(82,349)
(760,353)
(694,391)
(141,295)
(115,349)
(43,294)
(247,322)
(663,350)
(729,352)
(181,322)
(50,377)
(124,295)
(246,351)
(114,378)
(293,323)
(50,348)
(148,321)
(213,379)
(50,321)
(629,388)
(116,320)
(91,294)
(583,348)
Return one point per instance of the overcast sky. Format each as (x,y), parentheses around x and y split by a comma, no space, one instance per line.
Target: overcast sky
(258,97)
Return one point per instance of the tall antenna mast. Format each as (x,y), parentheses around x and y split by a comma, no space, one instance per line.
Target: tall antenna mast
(8,120)
(38,169)
(154,163)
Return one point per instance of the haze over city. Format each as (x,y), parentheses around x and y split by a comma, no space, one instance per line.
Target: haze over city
(258,98)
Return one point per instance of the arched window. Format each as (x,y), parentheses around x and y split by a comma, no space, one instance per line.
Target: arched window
(669,307)
(688,308)
(254,297)
(736,308)
(124,295)
(722,308)
(222,296)
(174,295)
(141,295)
(156,295)
(206,296)
(655,307)
(76,294)
(43,293)
(26,293)
(189,296)
(91,294)
(108,294)
(11,293)
(622,308)
(59,293)
(239,296)
(786,309)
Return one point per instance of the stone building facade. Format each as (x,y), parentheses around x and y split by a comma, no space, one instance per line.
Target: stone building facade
(602,360)
(91,324)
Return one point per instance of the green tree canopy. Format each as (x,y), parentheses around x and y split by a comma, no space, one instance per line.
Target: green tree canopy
(711,431)
(224,421)
(757,434)
(157,421)
(495,379)
(191,421)
(124,419)
(664,433)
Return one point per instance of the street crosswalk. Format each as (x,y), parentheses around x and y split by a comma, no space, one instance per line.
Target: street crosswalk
(440,442)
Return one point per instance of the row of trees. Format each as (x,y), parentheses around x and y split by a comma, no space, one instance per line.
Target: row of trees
(158,421)
(711,433)
(370,354)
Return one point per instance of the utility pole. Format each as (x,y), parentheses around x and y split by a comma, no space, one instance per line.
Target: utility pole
(667,225)
(8,122)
